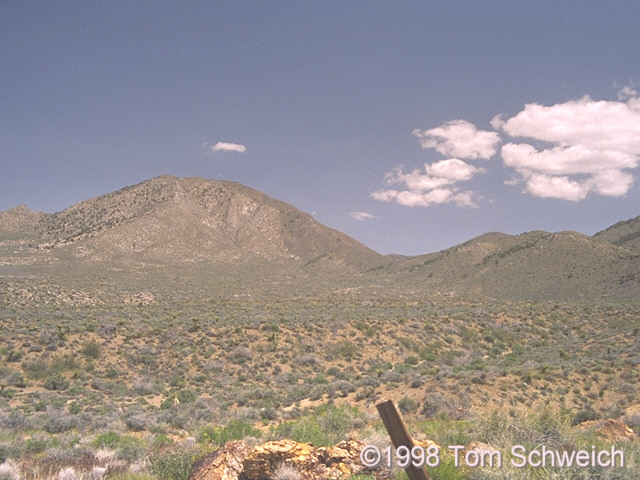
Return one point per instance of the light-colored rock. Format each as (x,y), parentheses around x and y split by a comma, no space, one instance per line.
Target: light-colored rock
(223,464)
(312,462)
(237,460)
(615,431)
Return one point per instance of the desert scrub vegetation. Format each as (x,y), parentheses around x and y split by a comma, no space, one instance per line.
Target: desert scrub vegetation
(502,429)
(235,430)
(326,425)
(217,370)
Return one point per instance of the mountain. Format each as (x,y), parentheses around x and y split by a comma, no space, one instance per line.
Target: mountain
(18,221)
(625,234)
(169,220)
(532,266)
(195,238)
(19,232)
(189,231)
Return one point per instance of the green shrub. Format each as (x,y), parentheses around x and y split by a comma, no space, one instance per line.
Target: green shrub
(302,430)
(161,441)
(13,356)
(333,371)
(172,465)
(7,393)
(131,449)
(585,415)
(107,440)
(60,423)
(56,382)
(74,408)
(91,350)
(16,379)
(37,444)
(406,405)
(184,396)
(327,425)
(236,430)
(412,360)
(36,370)
(64,364)
(346,349)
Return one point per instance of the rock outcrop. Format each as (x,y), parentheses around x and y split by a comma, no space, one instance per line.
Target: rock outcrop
(615,431)
(610,430)
(223,464)
(238,461)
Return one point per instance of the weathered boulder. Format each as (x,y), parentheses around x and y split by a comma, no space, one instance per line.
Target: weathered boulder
(223,464)
(236,460)
(615,431)
(263,460)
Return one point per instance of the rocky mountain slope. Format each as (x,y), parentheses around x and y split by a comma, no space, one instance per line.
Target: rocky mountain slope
(19,222)
(201,237)
(172,221)
(624,234)
(532,266)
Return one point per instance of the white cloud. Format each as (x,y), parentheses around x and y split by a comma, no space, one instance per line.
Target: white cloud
(565,151)
(592,145)
(461,139)
(452,169)
(627,92)
(225,147)
(410,198)
(541,185)
(361,216)
(437,185)
(629,95)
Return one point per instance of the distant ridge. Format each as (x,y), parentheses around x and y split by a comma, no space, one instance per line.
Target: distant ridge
(202,237)
(19,220)
(531,266)
(625,234)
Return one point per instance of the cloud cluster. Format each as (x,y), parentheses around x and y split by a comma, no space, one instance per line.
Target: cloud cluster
(224,147)
(459,138)
(439,183)
(579,147)
(565,151)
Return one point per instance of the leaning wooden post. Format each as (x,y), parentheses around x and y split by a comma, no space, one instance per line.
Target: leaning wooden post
(400,435)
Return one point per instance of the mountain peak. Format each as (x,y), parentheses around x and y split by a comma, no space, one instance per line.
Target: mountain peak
(18,219)
(169,220)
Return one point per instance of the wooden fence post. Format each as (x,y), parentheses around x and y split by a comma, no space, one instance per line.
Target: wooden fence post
(400,435)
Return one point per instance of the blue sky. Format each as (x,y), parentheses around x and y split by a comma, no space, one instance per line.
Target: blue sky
(411,126)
